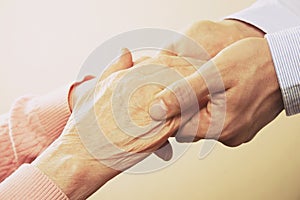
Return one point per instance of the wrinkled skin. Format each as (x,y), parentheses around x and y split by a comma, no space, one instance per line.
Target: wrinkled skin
(88,162)
(74,168)
(120,105)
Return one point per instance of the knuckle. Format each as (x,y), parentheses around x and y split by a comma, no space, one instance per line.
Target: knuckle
(181,94)
(226,136)
(164,60)
(171,102)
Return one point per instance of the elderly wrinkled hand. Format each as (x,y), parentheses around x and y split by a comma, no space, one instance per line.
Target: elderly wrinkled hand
(110,129)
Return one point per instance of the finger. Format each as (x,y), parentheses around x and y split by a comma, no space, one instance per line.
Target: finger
(197,127)
(178,97)
(167,53)
(193,127)
(165,152)
(141,59)
(124,62)
(185,46)
(171,61)
(187,92)
(169,50)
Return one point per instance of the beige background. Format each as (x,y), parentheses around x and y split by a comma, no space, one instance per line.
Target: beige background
(44,43)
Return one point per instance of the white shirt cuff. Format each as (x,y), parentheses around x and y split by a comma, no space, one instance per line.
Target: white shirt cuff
(268,15)
(285,50)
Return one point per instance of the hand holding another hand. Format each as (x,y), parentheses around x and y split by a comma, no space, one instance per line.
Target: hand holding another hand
(250,90)
(110,129)
(73,169)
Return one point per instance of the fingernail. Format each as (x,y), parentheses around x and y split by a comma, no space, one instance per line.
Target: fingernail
(168,154)
(123,51)
(165,152)
(158,110)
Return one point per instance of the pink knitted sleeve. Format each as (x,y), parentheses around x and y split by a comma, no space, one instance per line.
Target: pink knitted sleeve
(32,124)
(29,182)
(8,159)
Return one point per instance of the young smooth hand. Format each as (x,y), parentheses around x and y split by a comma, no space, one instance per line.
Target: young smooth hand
(210,38)
(241,91)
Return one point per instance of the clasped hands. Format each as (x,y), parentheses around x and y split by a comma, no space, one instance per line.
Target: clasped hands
(240,57)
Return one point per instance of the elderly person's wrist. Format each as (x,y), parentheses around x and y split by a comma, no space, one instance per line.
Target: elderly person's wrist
(73,169)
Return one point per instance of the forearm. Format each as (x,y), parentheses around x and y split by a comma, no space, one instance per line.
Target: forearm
(78,174)
(32,124)
(30,183)
(56,174)
(36,121)
(7,155)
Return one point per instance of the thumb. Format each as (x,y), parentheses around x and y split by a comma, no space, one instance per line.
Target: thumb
(124,62)
(187,92)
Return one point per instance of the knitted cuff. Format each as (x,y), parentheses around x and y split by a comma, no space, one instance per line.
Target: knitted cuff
(36,121)
(28,182)
(7,155)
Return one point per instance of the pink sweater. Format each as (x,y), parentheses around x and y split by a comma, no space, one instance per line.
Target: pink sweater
(31,125)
